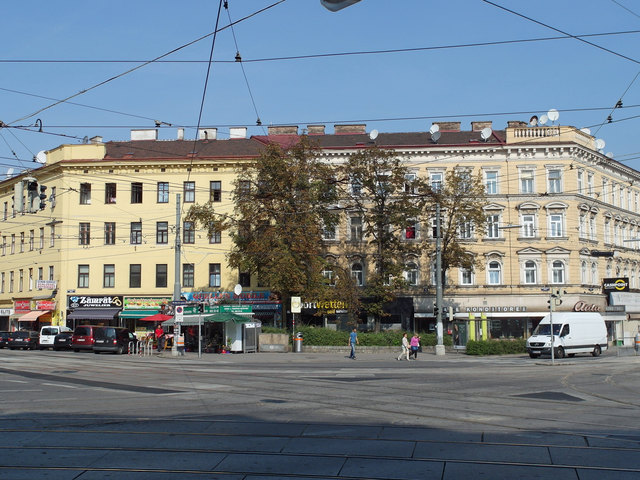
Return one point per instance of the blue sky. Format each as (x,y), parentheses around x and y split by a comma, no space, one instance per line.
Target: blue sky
(402,91)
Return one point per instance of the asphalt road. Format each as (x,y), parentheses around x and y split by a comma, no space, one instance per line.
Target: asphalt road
(68,415)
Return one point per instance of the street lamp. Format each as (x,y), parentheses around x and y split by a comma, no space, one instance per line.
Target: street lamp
(335,5)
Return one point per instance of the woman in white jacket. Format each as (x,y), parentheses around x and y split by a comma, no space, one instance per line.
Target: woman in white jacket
(405,348)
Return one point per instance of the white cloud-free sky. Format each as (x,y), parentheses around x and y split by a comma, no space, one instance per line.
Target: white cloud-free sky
(450,63)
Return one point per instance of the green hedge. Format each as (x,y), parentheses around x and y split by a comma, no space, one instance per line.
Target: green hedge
(327,337)
(496,347)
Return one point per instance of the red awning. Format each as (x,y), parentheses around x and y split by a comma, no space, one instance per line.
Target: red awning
(158,317)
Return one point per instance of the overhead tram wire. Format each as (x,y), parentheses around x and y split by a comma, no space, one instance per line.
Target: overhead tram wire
(238,59)
(562,31)
(341,54)
(627,9)
(206,82)
(618,104)
(104,82)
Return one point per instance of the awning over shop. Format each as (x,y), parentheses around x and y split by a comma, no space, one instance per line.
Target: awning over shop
(191,320)
(137,313)
(94,314)
(32,316)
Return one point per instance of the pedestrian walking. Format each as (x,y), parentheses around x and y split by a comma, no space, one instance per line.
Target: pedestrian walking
(159,337)
(405,347)
(415,345)
(353,341)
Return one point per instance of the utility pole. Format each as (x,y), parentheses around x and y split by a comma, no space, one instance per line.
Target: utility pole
(177,288)
(439,343)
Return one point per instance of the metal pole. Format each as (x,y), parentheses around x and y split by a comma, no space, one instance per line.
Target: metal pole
(177,289)
(440,343)
(552,302)
(199,335)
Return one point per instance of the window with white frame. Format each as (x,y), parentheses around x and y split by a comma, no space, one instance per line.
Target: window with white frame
(557,272)
(607,230)
(594,273)
(329,276)
(436,180)
(465,230)
(629,199)
(583,272)
(582,225)
(605,190)
(411,273)
(528,225)
(494,273)
(556,223)
(411,229)
(410,183)
(357,274)
(613,193)
(590,184)
(493,224)
(527,184)
(592,227)
(580,177)
(329,232)
(466,276)
(355,229)
(491,182)
(636,199)
(356,187)
(530,272)
(621,197)
(554,180)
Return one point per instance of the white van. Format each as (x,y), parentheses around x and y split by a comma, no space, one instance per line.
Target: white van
(48,334)
(574,332)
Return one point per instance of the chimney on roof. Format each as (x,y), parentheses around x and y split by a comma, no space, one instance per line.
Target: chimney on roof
(96,139)
(180,133)
(283,130)
(448,126)
(237,132)
(353,128)
(315,129)
(207,133)
(479,126)
(516,123)
(144,134)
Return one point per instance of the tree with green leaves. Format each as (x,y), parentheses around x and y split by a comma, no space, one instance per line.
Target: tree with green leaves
(462,199)
(383,204)
(282,202)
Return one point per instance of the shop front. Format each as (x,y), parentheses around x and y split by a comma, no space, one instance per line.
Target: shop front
(93,310)
(5,314)
(29,314)
(136,310)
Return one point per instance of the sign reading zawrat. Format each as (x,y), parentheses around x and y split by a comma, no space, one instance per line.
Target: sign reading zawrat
(620,284)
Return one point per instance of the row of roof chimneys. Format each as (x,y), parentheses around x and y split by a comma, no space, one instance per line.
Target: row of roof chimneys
(211,133)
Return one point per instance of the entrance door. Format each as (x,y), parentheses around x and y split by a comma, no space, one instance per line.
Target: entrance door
(460,334)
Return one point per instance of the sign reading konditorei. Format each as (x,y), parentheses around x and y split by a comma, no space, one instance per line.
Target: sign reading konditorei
(620,284)
(94,301)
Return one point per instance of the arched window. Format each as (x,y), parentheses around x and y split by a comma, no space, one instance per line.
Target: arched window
(594,273)
(494,273)
(557,272)
(530,272)
(329,276)
(583,272)
(357,274)
(411,273)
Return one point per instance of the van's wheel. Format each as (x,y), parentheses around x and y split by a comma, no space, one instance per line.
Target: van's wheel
(596,351)
(560,352)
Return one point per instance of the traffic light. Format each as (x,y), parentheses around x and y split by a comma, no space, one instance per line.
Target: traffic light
(43,196)
(435,310)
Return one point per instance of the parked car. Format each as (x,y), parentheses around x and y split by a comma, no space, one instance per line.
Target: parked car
(25,339)
(48,335)
(112,339)
(4,339)
(62,341)
(83,338)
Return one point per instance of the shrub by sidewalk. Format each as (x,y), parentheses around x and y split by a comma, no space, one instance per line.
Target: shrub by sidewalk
(496,347)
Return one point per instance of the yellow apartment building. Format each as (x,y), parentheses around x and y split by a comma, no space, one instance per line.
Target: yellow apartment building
(561,216)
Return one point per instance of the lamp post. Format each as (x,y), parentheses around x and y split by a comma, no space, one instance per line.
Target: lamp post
(439,335)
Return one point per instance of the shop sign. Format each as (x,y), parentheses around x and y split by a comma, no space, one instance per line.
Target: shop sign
(216,297)
(585,307)
(620,284)
(326,305)
(495,309)
(94,301)
(45,305)
(5,312)
(22,306)
(142,303)
(46,284)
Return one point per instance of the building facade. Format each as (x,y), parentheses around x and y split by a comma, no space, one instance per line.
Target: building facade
(562,217)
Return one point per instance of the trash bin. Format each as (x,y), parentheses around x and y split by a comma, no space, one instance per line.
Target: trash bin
(297,343)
